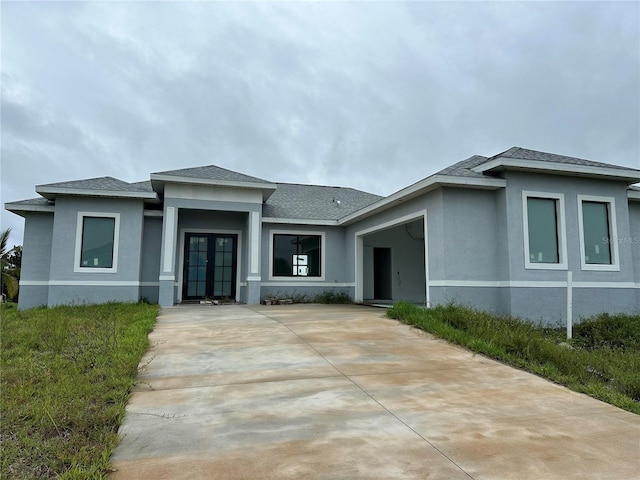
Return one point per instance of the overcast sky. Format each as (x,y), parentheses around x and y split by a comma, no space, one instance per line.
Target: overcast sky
(369,95)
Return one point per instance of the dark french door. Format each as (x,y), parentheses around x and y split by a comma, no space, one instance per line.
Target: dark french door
(210,262)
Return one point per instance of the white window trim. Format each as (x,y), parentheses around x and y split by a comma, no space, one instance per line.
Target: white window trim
(614,266)
(296,279)
(116,240)
(562,230)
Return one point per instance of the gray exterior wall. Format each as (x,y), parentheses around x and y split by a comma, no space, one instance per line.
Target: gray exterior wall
(476,249)
(68,286)
(470,226)
(571,187)
(36,260)
(150,261)
(482,298)
(87,295)
(475,242)
(634,243)
(524,301)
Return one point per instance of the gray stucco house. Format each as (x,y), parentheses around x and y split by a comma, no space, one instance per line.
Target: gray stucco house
(517,233)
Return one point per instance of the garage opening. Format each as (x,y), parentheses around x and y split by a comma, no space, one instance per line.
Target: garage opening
(391,263)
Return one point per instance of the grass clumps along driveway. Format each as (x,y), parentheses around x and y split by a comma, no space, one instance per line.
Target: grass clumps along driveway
(601,360)
(66,377)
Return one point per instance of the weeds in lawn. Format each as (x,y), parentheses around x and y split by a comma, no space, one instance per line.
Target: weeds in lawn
(331,296)
(66,377)
(327,296)
(602,360)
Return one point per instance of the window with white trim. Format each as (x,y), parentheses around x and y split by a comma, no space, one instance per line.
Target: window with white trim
(544,230)
(596,218)
(97,242)
(297,255)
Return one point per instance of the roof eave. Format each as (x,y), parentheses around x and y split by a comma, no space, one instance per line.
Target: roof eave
(422,187)
(633,195)
(50,193)
(19,209)
(158,181)
(301,221)
(499,164)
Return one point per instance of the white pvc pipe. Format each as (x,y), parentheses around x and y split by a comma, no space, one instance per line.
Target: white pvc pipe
(569,305)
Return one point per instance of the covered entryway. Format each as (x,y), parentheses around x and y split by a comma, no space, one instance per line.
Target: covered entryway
(210,266)
(391,261)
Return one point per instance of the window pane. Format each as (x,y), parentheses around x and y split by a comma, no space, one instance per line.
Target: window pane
(595,224)
(296,255)
(97,242)
(310,246)
(543,230)
(284,248)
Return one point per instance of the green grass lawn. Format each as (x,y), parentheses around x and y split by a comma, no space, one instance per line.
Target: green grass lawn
(602,359)
(66,376)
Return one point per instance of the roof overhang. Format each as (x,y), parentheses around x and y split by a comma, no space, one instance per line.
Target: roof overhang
(21,208)
(50,193)
(500,164)
(422,187)
(633,194)
(299,221)
(158,181)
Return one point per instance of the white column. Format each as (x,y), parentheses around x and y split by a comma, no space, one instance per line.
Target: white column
(167,272)
(255,239)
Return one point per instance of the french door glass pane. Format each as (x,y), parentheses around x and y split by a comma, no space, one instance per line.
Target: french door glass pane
(197,269)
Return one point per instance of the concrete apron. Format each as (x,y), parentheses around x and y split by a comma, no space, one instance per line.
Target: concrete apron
(340,392)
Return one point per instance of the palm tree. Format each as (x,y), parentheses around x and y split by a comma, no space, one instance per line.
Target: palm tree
(8,281)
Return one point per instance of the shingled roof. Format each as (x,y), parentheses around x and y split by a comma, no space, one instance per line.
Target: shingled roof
(98,183)
(467,168)
(325,203)
(314,202)
(102,186)
(211,172)
(464,167)
(526,154)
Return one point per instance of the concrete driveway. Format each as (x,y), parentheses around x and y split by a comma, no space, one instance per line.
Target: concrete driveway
(341,392)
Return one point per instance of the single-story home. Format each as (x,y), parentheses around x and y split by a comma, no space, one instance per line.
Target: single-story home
(526,233)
